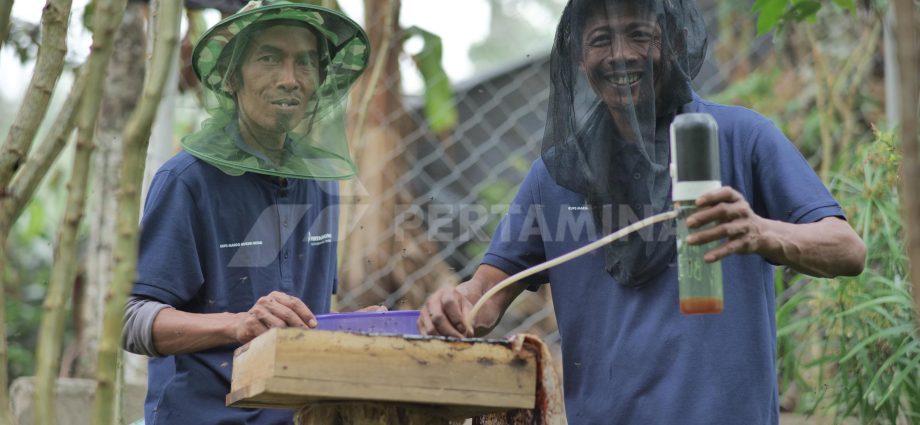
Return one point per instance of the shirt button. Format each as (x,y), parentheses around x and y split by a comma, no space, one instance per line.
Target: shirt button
(285,255)
(637,176)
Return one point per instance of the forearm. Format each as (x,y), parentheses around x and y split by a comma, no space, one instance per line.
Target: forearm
(825,248)
(177,332)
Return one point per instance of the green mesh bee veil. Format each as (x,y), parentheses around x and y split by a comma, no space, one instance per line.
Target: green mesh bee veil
(276,75)
(620,72)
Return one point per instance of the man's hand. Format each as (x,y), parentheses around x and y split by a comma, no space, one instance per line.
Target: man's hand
(734,221)
(275,310)
(826,248)
(444,313)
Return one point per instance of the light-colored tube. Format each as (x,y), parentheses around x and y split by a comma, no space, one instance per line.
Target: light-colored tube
(559,260)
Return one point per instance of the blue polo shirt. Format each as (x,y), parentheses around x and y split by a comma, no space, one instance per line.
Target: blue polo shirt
(629,356)
(211,243)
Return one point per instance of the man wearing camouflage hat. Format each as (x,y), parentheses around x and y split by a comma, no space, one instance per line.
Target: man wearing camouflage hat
(238,229)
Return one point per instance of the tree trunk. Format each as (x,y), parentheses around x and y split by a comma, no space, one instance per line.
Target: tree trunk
(52,327)
(48,67)
(107,17)
(6,413)
(124,81)
(63,272)
(383,259)
(907,32)
(6,6)
(136,136)
(162,147)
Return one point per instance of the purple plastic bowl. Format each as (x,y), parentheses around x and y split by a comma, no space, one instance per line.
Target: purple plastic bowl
(401,322)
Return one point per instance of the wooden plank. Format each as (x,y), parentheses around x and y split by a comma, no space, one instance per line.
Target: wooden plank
(273,396)
(253,362)
(291,367)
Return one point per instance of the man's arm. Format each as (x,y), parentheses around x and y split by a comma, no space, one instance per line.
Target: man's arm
(445,311)
(177,332)
(826,248)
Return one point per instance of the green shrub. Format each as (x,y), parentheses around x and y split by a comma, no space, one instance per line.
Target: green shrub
(853,343)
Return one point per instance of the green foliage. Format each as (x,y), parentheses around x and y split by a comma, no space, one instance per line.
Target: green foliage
(856,342)
(439,95)
(775,13)
(796,117)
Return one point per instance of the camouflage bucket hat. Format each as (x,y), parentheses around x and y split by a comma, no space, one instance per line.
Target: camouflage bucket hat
(347,43)
(316,146)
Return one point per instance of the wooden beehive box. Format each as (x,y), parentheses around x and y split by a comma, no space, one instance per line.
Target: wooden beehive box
(289,368)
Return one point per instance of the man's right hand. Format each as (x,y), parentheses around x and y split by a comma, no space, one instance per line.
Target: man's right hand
(275,310)
(444,313)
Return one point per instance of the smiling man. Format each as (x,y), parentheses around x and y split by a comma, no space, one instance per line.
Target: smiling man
(226,247)
(620,73)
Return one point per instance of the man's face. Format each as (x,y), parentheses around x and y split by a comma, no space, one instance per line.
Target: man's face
(621,55)
(278,77)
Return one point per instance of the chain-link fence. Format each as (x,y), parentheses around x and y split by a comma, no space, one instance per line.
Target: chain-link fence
(451,189)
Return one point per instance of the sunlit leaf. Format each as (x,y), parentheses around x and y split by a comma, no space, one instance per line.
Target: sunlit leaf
(439,96)
(771,12)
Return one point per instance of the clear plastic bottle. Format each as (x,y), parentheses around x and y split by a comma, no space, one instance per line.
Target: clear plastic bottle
(694,171)
(700,282)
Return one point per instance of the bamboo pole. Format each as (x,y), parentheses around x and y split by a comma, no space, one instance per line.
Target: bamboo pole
(907,32)
(6,413)
(349,214)
(23,185)
(6,7)
(135,139)
(48,67)
(107,16)
(60,287)
(124,82)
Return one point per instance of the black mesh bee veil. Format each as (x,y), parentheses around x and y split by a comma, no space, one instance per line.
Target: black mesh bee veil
(620,72)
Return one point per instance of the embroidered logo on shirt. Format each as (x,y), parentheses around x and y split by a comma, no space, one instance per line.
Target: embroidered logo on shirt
(316,240)
(239,244)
